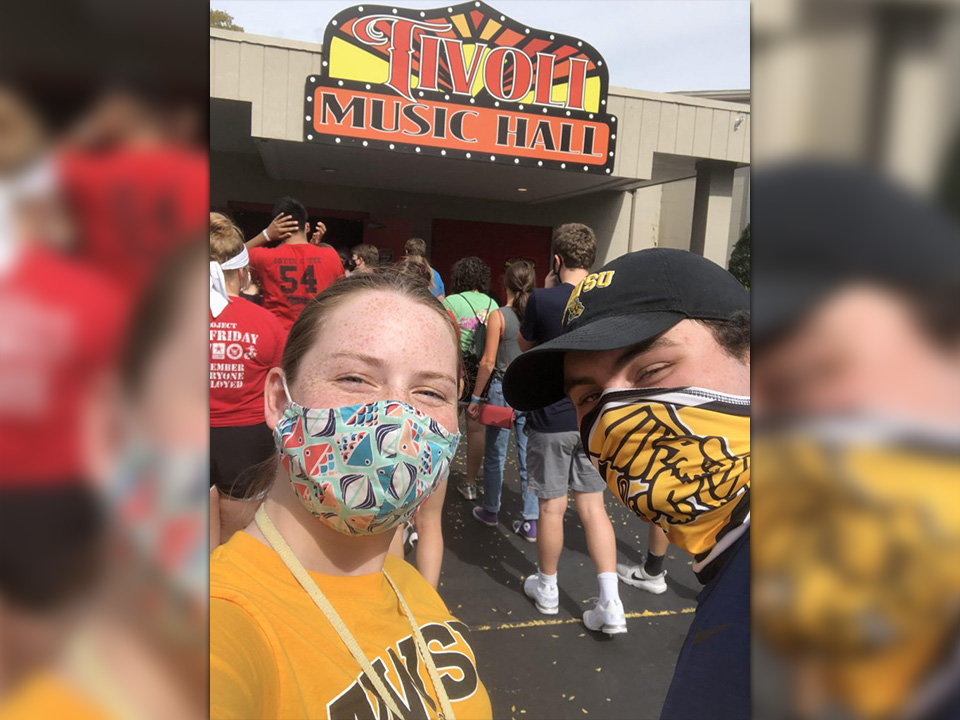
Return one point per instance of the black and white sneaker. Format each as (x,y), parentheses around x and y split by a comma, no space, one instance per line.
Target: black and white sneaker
(468,490)
(635,575)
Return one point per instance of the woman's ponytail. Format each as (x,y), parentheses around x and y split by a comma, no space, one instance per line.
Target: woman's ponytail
(520,279)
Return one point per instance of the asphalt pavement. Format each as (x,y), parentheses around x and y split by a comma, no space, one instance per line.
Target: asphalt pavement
(539,667)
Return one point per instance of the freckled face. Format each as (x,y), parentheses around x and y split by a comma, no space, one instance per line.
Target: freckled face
(378,346)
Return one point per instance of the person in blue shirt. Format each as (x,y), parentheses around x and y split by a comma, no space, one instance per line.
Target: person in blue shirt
(556,461)
(416,246)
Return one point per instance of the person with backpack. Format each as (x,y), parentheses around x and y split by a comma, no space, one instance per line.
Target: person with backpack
(501,349)
(471,306)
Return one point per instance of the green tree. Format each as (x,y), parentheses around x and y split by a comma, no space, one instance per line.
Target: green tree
(220,19)
(740,258)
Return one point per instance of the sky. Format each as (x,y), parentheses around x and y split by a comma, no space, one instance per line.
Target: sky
(657,45)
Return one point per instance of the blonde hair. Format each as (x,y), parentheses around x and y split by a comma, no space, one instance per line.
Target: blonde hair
(226,240)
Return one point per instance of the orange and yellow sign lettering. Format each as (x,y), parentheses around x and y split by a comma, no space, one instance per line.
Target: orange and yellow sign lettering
(462,81)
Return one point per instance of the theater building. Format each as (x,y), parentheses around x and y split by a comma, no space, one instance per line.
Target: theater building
(466,128)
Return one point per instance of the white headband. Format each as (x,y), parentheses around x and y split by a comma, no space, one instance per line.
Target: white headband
(240,260)
(218,284)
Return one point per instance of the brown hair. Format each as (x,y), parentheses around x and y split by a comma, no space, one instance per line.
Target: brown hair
(304,332)
(226,240)
(415,246)
(576,245)
(416,267)
(520,279)
(303,336)
(732,334)
(368,253)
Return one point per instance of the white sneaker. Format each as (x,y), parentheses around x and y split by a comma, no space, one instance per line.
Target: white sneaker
(636,576)
(608,619)
(546,597)
(410,537)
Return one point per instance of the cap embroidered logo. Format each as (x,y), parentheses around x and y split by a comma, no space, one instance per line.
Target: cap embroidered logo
(574,308)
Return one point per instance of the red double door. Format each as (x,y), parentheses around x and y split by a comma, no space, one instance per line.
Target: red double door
(494,243)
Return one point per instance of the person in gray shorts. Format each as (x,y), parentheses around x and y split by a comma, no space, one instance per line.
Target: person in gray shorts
(555,459)
(556,462)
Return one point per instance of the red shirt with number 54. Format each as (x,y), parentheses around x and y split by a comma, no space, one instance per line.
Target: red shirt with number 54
(291,274)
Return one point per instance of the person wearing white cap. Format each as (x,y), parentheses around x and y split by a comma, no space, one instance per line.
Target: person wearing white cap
(245,342)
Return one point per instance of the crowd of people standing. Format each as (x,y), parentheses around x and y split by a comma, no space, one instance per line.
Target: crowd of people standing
(362,421)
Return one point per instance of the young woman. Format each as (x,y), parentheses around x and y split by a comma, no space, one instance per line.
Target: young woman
(245,342)
(471,306)
(500,350)
(103,582)
(309,614)
(426,527)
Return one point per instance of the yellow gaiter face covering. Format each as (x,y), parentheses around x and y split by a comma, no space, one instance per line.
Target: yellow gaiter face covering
(679,458)
(856,568)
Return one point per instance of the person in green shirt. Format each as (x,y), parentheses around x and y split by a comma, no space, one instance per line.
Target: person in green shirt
(470,306)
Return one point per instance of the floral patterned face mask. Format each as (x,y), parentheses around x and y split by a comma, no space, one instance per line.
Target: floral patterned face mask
(363,469)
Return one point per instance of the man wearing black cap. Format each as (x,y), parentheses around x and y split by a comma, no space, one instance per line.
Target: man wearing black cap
(857,336)
(655,358)
(860,282)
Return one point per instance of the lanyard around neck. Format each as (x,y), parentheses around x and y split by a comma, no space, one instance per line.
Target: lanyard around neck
(280,545)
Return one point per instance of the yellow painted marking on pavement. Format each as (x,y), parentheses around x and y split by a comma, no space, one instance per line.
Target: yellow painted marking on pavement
(571,621)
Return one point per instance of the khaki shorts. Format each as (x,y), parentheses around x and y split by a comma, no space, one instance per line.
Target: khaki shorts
(555,462)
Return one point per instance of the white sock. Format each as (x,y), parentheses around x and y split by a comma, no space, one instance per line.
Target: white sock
(608,587)
(550,580)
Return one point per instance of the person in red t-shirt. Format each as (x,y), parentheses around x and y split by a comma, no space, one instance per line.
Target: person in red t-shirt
(295,271)
(61,327)
(245,342)
(134,208)
(136,193)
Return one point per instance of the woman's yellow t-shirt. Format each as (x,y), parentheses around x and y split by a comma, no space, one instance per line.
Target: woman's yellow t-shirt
(47,695)
(273,653)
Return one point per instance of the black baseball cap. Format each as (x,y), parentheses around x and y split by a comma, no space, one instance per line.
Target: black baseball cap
(628,301)
(818,226)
